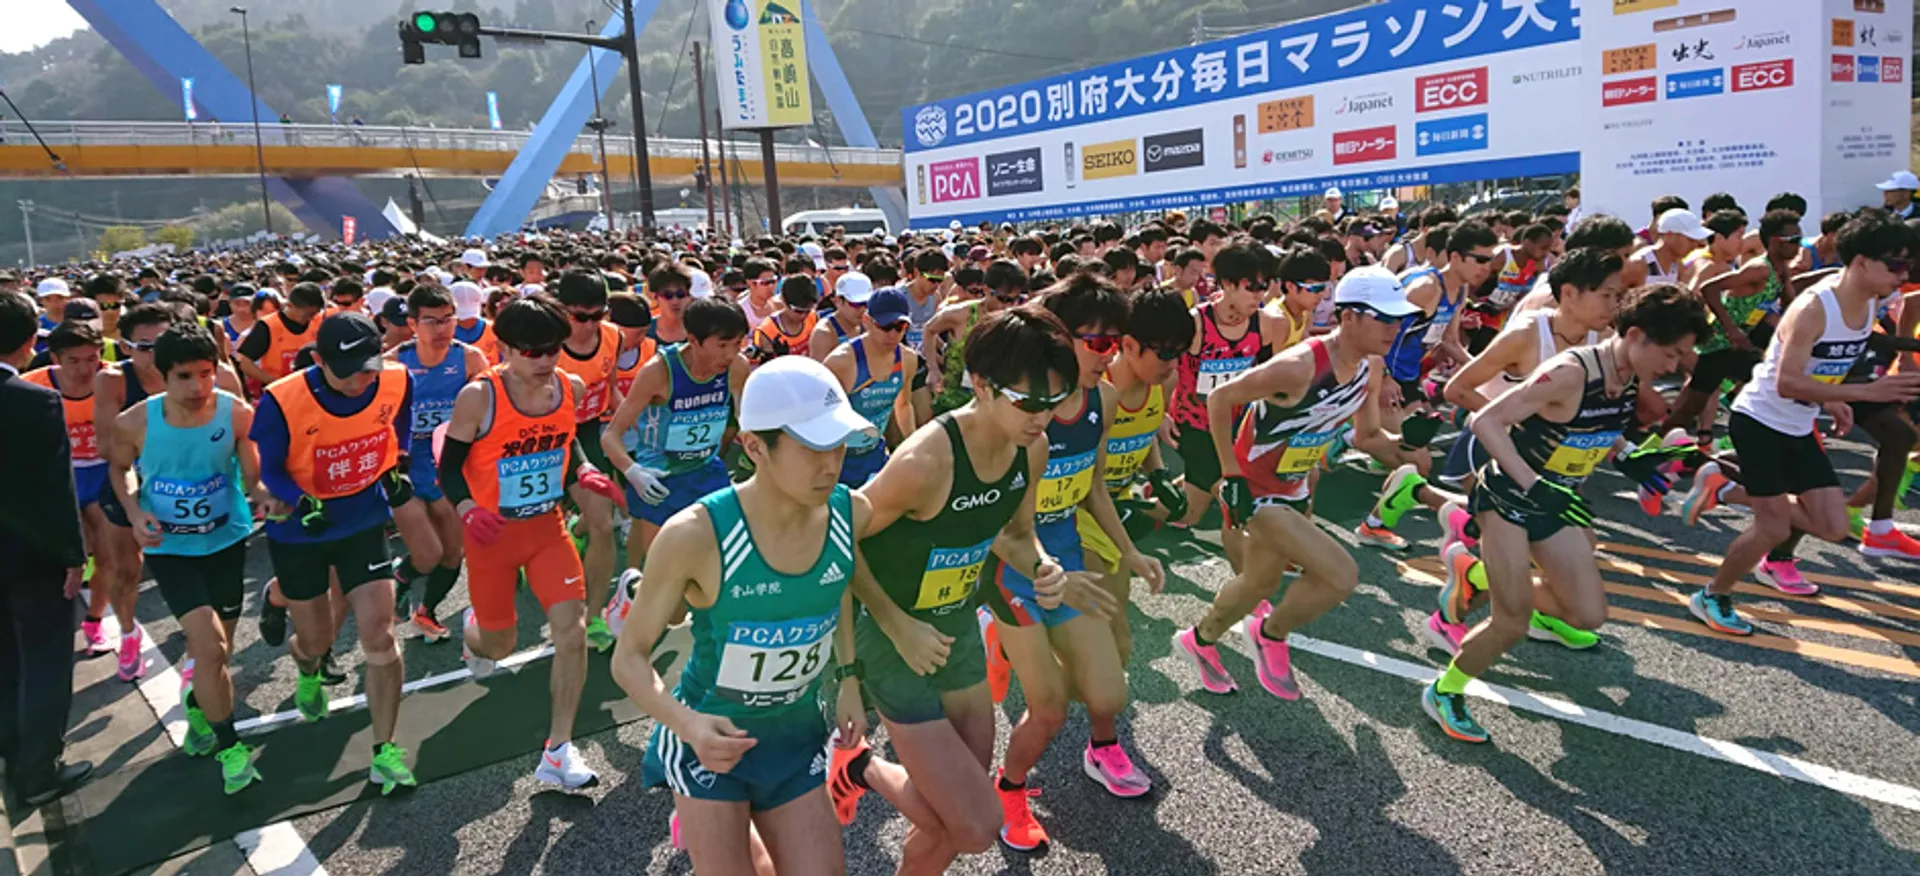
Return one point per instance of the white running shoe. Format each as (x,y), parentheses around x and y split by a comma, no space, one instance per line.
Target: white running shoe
(620,602)
(480,667)
(562,766)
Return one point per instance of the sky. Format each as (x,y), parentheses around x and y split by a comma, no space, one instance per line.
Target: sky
(41,22)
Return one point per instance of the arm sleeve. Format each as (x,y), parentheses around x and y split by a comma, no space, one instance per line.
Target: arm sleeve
(453,476)
(403,419)
(255,344)
(269,434)
(575,455)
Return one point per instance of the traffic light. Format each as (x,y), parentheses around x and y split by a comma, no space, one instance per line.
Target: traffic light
(460,29)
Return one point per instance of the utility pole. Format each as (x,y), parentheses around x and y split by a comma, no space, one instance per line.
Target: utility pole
(773,180)
(26,222)
(599,126)
(706,162)
(639,118)
(726,202)
(253,96)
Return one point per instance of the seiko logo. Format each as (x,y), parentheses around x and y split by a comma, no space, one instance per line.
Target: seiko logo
(1538,76)
(977,500)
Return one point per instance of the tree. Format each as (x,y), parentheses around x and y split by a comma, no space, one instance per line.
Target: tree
(179,235)
(120,238)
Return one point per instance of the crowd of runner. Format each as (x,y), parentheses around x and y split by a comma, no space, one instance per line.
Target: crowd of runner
(893,475)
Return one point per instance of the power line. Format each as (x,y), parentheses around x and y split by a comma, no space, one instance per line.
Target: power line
(950,45)
(666,101)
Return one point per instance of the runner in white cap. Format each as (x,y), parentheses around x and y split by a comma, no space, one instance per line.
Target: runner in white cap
(1897,193)
(1295,404)
(739,740)
(851,292)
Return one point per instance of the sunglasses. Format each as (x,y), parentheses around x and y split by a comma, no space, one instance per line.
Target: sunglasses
(1010,298)
(1168,354)
(590,316)
(839,267)
(895,327)
(1312,288)
(1376,315)
(856,305)
(140,346)
(672,294)
(1030,403)
(736,289)
(1101,344)
(767,282)
(1898,266)
(541,352)
(976,289)
(1482,259)
(1792,241)
(936,278)
(433,322)
(1258,285)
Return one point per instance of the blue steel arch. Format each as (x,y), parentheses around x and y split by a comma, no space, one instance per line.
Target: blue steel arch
(164,52)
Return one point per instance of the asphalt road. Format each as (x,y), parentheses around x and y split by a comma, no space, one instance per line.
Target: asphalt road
(1352,778)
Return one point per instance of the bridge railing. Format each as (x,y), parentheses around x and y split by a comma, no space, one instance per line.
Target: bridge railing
(273,133)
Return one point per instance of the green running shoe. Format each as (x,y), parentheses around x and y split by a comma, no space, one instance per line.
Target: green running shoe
(236,767)
(1399,495)
(1856,522)
(389,769)
(1552,629)
(200,739)
(310,697)
(599,638)
(1450,712)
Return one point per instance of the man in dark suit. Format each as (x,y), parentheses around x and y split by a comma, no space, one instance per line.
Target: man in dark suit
(43,552)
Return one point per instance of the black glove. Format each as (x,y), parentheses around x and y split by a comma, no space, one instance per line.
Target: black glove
(1642,466)
(1418,430)
(312,515)
(1236,499)
(1167,493)
(399,485)
(1562,502)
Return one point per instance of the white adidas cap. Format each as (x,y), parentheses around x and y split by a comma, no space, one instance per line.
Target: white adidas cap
(801,397)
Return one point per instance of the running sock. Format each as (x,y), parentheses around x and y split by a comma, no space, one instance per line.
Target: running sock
(1880,527)
(1263,634)
(92,620)
(1375,522)
(1452,681)
(554,747)
(1201,640)
(192,703)
(1477,575)
(1720,495)
(857,768)
(224,735)
(1010,786)
(1784,553)
(439,583)
(1472,529)
(1100,744)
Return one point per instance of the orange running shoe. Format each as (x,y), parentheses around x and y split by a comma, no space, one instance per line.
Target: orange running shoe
(841,787)
(1019,830)
(999,669)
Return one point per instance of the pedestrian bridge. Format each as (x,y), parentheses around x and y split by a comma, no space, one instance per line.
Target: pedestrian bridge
(217,149)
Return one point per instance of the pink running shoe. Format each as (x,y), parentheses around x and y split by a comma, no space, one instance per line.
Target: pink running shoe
(96,640)
(1784,576)
(1272,659)
(1454,520)
(1110,766)
(132,664)
(1443,635)
(1206,659)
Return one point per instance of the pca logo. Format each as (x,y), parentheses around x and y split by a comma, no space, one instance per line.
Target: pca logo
(930,125)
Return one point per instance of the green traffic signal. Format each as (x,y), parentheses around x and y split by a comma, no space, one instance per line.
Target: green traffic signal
(424,22)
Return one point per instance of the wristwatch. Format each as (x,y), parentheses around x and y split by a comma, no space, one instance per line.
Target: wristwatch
(855,670)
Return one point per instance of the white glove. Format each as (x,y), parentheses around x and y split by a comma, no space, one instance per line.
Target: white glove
(647,482)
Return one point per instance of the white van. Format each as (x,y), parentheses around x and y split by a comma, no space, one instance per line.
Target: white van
(857,222)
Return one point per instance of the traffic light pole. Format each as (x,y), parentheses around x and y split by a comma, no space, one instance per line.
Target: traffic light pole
(627,45)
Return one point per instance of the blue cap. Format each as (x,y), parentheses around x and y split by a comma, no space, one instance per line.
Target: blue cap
(888,306)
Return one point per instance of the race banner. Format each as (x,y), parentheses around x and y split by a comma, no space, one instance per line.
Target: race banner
(760,59)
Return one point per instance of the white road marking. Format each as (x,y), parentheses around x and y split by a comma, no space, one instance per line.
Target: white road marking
(1777,765)
(278,850)
(359,700)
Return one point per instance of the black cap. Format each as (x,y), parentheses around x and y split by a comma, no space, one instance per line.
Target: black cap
(348,344)
(394,312)
(81,310)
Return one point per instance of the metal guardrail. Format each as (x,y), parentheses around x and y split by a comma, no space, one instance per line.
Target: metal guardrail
(58,134)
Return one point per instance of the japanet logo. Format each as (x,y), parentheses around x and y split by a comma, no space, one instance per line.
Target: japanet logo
(1764,75)
(1366,144)
(1645,89)
(1446,91)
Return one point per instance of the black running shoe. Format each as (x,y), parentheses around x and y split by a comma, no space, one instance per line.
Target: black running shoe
(273,618)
